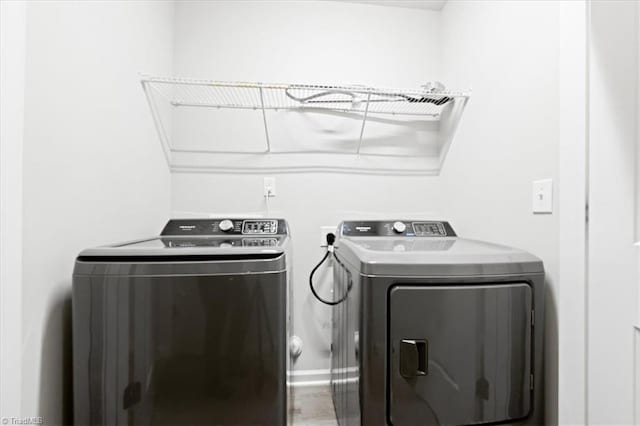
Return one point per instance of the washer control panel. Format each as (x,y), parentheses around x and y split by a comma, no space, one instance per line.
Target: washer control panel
(429,229)
(395,228)
(204,227)
(181,242)
(261,227)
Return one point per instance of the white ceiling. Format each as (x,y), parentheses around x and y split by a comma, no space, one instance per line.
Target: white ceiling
(436,5)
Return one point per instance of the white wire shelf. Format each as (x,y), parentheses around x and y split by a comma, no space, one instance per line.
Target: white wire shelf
(430,103)
(269,96)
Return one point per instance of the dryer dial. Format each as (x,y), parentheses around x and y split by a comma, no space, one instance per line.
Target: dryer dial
(225,225)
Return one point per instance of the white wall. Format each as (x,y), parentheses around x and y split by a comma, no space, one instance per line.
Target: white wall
(572,198)
(93,170)
(12,58)
(306,41)
(310,42)
(510,128)
(636,413)
(612,281)
(638,167)
(638,143)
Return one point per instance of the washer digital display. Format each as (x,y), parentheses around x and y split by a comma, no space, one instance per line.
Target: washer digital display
(429,229)
(251,227)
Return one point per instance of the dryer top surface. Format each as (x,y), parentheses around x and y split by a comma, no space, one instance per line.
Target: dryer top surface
(384,251)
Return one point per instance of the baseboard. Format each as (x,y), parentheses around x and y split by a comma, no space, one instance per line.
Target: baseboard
(299,378)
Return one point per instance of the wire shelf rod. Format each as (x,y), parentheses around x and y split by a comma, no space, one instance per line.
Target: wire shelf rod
(309,108)
(294,86)
(364,121)
(264,120)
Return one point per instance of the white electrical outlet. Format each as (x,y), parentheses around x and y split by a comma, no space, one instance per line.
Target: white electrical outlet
(542,196)
(269,187)
(324,230)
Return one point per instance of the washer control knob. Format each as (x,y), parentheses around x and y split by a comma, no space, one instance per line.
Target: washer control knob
(399,227)
(225,225)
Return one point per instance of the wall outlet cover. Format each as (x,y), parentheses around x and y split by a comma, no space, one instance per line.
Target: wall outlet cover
(269,187)
(324,230)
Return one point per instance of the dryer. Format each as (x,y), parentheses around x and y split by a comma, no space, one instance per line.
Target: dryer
(190,327)
(436,329)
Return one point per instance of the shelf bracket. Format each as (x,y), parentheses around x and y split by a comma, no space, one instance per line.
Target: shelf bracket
(364,121)
(164,140)
(264,120)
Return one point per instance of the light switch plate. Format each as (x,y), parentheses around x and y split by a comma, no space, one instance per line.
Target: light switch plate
(542,196)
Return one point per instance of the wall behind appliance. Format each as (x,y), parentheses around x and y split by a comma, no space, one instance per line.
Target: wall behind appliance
(311,42)
(93,173)
(637,238)
(507,138)
(314,42)
(612,282)
(12,59)
(636,413)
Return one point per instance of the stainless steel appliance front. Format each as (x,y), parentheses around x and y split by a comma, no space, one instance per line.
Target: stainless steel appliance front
(459,355)
(183,329)
(436,330)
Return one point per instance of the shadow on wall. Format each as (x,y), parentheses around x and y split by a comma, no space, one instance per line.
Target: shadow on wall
(318,327)
(56,396)
(551,356)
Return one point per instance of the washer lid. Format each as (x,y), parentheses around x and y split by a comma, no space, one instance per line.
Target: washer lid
(195,246)
(256,238)
(447,256)
(185,256)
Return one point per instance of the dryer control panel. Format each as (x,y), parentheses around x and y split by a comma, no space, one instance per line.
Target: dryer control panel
(395,228)
(204,227)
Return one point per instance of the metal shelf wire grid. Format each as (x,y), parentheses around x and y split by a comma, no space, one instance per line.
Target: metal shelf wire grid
(428,102)
(241,95)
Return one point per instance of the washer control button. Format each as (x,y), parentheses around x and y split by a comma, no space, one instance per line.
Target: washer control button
(225,225)
(399,227)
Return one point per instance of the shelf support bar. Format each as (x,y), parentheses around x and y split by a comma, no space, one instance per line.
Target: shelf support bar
(364,121)
(264,120)
(164,140)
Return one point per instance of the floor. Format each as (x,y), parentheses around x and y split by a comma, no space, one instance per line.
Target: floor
(312,405)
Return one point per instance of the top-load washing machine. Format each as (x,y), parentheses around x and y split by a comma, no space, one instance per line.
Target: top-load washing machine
(435,329)
(190,327)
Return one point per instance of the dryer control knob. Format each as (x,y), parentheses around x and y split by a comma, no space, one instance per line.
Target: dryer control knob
(225,225)
(399,227)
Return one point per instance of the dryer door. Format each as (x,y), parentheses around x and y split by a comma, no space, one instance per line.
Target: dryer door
(459,355)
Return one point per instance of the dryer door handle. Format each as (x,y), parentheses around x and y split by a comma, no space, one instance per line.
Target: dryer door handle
(414,357)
